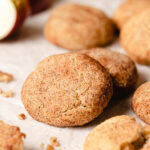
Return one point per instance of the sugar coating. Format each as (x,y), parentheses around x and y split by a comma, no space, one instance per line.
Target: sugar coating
(67,90)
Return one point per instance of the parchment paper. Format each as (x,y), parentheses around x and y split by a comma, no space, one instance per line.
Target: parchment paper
(19,56)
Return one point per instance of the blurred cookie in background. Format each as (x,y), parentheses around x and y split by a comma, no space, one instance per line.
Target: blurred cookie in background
(135,37)
(76,27)
(128,9)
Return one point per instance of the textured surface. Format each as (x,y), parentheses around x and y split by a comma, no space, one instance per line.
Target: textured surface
(128,9)
(10,137)
(135,37)
(67,90)
(141,102)
(121,68)
(117,133)
(71,26)
(22,54)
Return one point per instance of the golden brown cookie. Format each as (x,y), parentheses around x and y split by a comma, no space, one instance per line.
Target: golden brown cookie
(67,90)
(117,133)
(141,102)
(128,9)
(10,137)
(135,37)
(121,68)
(75,27)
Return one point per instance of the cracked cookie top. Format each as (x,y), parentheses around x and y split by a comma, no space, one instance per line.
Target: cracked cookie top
(67,90)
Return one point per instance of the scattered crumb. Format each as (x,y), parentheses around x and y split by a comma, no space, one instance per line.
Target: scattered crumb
(24,135)
(54,141)
(1,91)
(8,94)
(5,77)
(50,147)
(42,145)
(22,116)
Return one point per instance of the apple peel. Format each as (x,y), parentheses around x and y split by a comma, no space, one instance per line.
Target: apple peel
(12,15)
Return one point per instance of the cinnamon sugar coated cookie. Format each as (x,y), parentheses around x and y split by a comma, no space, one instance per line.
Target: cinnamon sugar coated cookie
(67,90)
(128,9)
(141,102)
(10,137)
(121,68)
(135,37)
(75,27)
(118,133)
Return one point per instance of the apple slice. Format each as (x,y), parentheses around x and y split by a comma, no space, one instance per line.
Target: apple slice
(12,15)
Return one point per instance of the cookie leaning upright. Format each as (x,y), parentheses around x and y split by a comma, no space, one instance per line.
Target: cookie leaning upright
(67,90)
(118,133)
(141,102)
(128,9)
(75,27)
(135,37)
(10,137)
(121,68)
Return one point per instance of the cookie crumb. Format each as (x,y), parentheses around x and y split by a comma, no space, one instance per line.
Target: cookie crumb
(1,91)
(54,141)
(22,116)
(8,94)
(42,145)
(24,135)
(5,77)
(50,147)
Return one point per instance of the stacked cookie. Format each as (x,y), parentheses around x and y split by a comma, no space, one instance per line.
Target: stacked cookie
(67,90)
(72,89)
(133,18)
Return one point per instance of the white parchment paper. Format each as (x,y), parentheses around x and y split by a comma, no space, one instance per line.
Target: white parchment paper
(19,56)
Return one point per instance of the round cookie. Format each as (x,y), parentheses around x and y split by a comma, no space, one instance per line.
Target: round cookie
(117,133)
(141,102)
(75,27)
(121,68)
(128,9)
(67,90)
(10,137)
(135,37)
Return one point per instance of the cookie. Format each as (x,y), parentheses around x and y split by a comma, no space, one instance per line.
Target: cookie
(10,137)
(141,102)
(135,38)
(75,27)
(117,133)
(121,68)
(128,9)
(67,90)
